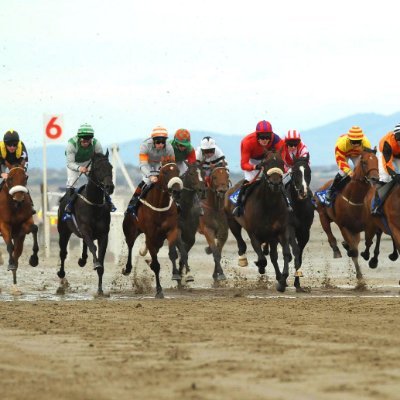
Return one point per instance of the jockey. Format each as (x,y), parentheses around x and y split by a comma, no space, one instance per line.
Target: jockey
(253,149)
(348,147)
(183,149)
(208,155)
(292,149)
(153,152)
(388,158)
(79,151)
(13,151)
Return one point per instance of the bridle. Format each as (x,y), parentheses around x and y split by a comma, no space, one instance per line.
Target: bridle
(17,188)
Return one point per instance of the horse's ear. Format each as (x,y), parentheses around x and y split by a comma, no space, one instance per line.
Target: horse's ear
(106,153)
(374,150)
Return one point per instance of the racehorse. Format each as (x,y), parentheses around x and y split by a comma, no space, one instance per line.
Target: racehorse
(16,219)
(188,219)
(348,210)
(265,218)
(302,216)
(157,218)
(91,219)
(388,222)
(214,224)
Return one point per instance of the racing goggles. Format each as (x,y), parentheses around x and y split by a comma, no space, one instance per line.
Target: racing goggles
(12,144)
(159,141)
(293,143)
(263,136)
(355,142)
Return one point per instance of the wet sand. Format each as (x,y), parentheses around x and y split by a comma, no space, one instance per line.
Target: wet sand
(241,340)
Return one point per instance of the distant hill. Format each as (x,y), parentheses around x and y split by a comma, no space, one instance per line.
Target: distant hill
(321,142)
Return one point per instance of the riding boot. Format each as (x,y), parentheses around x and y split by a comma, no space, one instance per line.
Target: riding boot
(72,195)
(110,203)
(377,201)
(140,191)
(332,189)
(239,209)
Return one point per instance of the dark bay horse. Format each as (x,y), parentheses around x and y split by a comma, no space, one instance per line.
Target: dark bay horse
(157,218)
(388,222)
(91,219)
(348,210)
(188,219)
(214,224)
(265,218)
(302,216)
(16,219)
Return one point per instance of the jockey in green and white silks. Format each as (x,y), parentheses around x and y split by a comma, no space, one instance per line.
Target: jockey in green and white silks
(79,151)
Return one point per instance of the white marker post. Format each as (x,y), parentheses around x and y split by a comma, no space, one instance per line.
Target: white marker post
(53,129)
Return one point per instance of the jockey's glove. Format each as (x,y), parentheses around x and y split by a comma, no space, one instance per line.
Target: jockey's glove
(258,166)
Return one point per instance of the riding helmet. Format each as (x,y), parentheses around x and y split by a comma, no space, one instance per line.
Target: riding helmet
(207,143)
(159,132)
(264,127)
(396,132)
(85,131)
(11,136)
(355,133)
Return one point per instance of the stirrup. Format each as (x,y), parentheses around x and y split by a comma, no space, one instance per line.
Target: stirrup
(113,208)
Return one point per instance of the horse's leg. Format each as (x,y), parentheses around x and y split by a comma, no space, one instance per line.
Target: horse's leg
(30,227)
(222,236)
(87,237)
(261,260)
(83,259)
(64,236)
(353,239)
(284,241)
(326,226)
(303,236)
(273,255)
(155,266)
(173,256)
(6,233)
(373,262)
(131,233)
(218,274)
(236,230)
(18,247)
(102,242)
(394,255)
(188,245)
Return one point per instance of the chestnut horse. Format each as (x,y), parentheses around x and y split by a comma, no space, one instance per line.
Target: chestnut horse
(265,218)
(157,218)
(91,219)
(214,224)
(348,210)
(16,219)
(388,222)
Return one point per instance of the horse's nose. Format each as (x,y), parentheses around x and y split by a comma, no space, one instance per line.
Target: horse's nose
(110,189)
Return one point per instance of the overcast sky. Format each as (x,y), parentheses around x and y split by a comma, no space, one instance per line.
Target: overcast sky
(126,66)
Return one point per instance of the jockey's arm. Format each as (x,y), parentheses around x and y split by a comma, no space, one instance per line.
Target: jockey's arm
(245,158)
(70,154)
(191,158)
(387,157)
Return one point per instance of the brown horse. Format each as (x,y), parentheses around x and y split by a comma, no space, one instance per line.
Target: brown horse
(348,209)
(214,224)
(265,218)
(16,219)
(157,218)
(388,222)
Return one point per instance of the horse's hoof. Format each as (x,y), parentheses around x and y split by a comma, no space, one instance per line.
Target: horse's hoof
(208,250)
(365,255)
(280,288)
(15,291)
(261,270)
(176,277)
(12,267)
(393,256)
(361,285)
(126,271)
(61,275)
(33,261)
(221,277)
(81,262)
(373,263)
(159,295)
(337,254)
(242,262)
(189,278)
